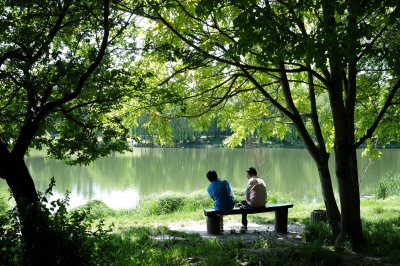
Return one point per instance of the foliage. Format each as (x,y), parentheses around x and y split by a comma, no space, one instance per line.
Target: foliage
(168,203)
(12,246)
(61,89)
(133,244)
(3,203)
(318,233)
(160,246)
(59,78)
(328,68)
(383,238)
(201,50)
(96,209)
(75,238)
(197,201)
(387,186)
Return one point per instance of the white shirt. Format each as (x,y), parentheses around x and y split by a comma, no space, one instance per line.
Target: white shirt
(256,192)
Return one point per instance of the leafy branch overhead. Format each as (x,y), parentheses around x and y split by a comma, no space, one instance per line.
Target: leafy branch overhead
(330,69)
(220,49)
(61,75)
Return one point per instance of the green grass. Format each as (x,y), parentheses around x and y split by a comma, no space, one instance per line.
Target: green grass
(135,232)
(141,236)
(388,185)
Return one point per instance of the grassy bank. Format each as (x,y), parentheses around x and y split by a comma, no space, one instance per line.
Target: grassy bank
(136,235)
(141,236)
(140,229)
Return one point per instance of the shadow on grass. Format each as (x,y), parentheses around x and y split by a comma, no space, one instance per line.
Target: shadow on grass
(383,238)
(161,246)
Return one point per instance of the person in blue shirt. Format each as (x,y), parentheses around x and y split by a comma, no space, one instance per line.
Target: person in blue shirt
(220,191)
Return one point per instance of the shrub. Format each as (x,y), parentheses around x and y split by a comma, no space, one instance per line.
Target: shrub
(11,245)
(387,186)
(163,204)
(318,233)
(72,240)
(3,204)
(197,201)
(97,209)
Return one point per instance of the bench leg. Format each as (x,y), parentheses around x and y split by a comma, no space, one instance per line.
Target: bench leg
(281,217)
(214,224)
(244,220)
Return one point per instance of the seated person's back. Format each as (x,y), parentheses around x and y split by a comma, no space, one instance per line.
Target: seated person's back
(256,190)
(220,191)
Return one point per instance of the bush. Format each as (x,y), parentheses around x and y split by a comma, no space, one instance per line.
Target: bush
(168,203)
(198,201)
(97,209)
(11,244)
(3,204)
(72,242)
(163,204)
(388,185)
(318,233)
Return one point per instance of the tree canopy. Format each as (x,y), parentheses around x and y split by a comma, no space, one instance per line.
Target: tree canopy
(206,48)
(329,68)
(61,85)
(73,81)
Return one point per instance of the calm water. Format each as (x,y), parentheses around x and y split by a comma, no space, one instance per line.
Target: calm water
(120,180)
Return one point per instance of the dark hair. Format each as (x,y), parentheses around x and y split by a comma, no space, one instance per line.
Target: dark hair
(252,171)
(212,175)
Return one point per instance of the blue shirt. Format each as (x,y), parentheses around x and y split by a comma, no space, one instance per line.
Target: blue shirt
(220,192)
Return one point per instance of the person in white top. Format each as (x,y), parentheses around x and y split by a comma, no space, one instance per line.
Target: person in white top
(256,190)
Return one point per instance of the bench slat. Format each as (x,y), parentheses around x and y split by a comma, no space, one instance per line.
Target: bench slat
(237,210)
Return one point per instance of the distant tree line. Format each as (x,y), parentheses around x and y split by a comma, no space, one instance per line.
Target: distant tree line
(186,133)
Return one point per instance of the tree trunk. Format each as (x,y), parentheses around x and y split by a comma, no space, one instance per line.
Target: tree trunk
(34,225)
(329,197)
(347,176)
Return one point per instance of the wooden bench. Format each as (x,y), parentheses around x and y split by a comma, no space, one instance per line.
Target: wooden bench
(280,209)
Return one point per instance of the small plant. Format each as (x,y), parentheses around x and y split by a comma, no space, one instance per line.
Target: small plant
(70,233)
(319,233)
(197,201)
(164,204)
(97,209)
(11,245)
(3,203)
(387,186)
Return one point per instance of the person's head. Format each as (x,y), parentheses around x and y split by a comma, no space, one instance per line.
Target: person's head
(212,175)
(251,172)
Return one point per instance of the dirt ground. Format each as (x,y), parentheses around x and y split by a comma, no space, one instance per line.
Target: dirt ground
(233,229)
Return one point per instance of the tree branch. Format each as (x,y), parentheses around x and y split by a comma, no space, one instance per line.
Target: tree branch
(30,127)
(371,129)
(84,77)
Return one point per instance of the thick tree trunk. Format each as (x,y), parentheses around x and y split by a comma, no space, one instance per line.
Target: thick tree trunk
(347,176)
(34,226)
(318,152)
(329,197)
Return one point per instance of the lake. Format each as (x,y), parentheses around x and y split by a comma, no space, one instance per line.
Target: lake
(121,180)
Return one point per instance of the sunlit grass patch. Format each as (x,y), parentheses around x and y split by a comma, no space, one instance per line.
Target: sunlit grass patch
(173,202)
(97,209)
(373,209)
(388,185)
(153,247)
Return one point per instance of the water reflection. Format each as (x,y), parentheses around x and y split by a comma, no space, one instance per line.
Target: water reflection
(116,199)
(121,179)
